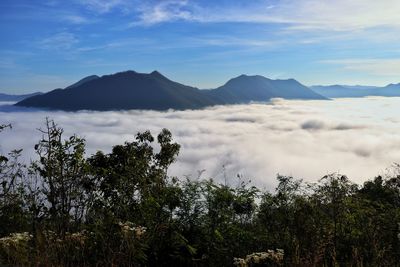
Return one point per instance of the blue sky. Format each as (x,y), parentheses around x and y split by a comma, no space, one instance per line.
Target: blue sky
(50,44)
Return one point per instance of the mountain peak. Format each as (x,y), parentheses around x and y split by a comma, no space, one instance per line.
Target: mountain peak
(154,74)
(157,74)
(243,79)
(393,85)
(124,72)
(249,76)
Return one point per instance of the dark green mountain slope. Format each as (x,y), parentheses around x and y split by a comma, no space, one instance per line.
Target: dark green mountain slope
(84,80)
(244,89)
(121,91)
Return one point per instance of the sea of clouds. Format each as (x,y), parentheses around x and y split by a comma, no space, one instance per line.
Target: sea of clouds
(305,139)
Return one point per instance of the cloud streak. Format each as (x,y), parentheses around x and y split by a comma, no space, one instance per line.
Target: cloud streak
(59,41)
(339,15)
(104,6)
(165,11)
(375,66)
(307,139)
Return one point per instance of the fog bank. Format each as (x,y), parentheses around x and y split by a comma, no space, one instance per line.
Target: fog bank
(306,139)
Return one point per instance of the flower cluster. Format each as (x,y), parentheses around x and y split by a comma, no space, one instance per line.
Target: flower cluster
(78,237)
(15,247)
(15,239)
(129,228)
(269,258)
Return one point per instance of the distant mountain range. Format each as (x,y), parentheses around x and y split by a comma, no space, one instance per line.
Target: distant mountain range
(132,90)
(340,91)
(15,98)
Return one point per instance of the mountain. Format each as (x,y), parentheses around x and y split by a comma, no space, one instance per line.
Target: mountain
(15,98)
(391,90)
(340,91)
(244,89)
(132,90)
(121,91)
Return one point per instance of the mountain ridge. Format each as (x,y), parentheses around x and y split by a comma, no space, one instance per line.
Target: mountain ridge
(247,88)
(342,91)
(133,90)
(120,91)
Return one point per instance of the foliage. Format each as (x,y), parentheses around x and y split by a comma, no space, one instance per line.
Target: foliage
(123,209)
(62,170)
(12,210)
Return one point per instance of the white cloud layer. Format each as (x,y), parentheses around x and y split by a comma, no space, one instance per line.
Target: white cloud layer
(306,139)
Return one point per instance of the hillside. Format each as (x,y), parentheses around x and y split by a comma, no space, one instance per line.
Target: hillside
(244,89)
(122,91)
(132,90)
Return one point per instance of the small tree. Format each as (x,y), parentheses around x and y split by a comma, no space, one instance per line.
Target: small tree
(62,170)
(131,184)
(12,210)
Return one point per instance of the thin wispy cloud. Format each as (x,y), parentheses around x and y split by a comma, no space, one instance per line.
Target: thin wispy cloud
(340,15)
(59,41)
(383,67)
(51,11)
(120,43)
(105,6)
(76,19)
(164,11)
(234,41)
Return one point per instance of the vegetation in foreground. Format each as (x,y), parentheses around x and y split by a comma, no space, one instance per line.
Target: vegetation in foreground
(122,209)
